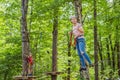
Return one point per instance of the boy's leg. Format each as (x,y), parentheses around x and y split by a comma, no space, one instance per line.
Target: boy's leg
(87,58)
(80,56)
(31,69)
(83,52)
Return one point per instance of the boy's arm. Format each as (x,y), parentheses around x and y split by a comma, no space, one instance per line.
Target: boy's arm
(71,36)
(81,29)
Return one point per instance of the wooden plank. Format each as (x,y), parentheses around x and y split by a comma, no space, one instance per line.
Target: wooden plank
(24,77)
(20,77)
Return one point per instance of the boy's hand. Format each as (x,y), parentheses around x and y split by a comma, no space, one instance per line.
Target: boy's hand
(81,30)
(70,33)
(74,46)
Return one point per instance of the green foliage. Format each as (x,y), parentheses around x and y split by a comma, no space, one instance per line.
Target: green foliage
(40,23)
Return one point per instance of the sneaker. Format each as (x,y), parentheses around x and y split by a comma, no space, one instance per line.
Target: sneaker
(83,69)
(29,74)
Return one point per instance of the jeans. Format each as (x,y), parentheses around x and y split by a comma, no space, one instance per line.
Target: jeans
(80,45)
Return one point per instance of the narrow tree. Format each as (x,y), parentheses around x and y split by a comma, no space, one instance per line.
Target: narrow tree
(118,48)
(25,38)
(54,43)
(118,57)
(69,55)
(113,52)
(95,41)
(78,10)
(108,52)
(100,49)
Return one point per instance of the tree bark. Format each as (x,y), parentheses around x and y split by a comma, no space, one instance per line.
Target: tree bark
(95,41)
(108,52)
(69,55)
(78,10)
(54,43)
(25,38)
(113,53)
(118,57)
(100,53)
(118,48)
(6,74)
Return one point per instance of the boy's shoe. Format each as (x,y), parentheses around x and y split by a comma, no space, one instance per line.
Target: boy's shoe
(29,74)
(83,69)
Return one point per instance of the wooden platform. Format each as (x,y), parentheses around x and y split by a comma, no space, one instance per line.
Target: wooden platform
(24,77)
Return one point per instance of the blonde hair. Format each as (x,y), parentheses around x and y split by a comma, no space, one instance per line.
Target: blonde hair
(71,17)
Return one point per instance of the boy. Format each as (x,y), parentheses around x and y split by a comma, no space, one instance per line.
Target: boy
(79,42)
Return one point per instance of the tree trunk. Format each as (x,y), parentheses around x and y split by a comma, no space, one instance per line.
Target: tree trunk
(108,52)
(25,38)
(69,55)
(95,41)
(118,48)
(118,57)
(78,10)
(6,74)
(54,44)
(113,53)
(100,53)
